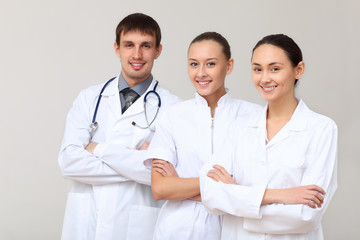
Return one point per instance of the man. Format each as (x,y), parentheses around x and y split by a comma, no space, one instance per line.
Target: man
(111,196)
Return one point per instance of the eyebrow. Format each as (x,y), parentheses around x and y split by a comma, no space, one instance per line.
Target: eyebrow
(142,43)
(270,64)
(193,59)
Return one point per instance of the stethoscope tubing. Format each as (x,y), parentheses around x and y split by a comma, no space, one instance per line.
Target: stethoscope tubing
(94,124)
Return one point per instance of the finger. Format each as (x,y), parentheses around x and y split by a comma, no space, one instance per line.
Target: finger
(158,166)
(310,204)
(315,200)
(318,199)
(315,197)
(317,188)
(217,173)
(221,169)
(159,170)
(158,161)
(170,168)
(212,177)
(319,196)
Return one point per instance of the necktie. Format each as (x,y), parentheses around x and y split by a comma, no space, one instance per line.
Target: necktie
(130,97)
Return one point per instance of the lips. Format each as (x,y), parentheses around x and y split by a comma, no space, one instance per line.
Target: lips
(203,83)
(137,66)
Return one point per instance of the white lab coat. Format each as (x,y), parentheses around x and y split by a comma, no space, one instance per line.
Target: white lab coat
(186,137)
(111,197)
(303,152)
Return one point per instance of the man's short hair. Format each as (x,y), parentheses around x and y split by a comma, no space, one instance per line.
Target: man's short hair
(139,22)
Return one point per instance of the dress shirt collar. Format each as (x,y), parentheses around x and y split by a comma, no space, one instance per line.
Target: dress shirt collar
(139,89)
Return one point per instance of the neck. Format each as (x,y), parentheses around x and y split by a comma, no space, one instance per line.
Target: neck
(132,82)
(282,109)
(212,100)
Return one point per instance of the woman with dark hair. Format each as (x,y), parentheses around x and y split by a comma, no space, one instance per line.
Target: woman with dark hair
(284,159)
(187,135)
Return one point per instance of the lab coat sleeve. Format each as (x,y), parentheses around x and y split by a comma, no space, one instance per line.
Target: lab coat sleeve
(75,162)
(162,146)
(234,199)
(220,198)
(321,171)
(127,162)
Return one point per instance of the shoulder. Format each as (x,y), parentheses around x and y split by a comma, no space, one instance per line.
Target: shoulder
(322,123)
(180,107)
(317,124)
(92,90)
(178,111)
(317,119)
(244,108)
(89,94)
(167,97)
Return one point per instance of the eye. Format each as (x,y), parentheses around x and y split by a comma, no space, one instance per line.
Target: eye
(275,69)
(256,69)
(147,46)
(193,64)
(211,64)
(128,45)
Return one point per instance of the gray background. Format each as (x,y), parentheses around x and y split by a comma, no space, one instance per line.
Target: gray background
(50,50)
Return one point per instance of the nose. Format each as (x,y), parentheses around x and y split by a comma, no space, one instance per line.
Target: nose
(201,72)
(265,78)
(137,53)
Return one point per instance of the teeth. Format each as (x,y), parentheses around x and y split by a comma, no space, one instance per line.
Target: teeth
(137,64)
(203,83)
(269,88)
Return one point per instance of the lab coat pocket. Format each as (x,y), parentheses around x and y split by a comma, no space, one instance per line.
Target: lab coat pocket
(140,137)
(142,222)
(76,218)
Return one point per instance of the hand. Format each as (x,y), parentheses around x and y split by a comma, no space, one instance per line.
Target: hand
(219,173)
(145,146)
(90,147)
(164,168)
(310,195)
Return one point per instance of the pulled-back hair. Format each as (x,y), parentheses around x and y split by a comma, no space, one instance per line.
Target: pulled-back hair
(217,37)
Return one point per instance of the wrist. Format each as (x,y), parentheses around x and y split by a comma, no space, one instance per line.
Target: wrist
(271,196)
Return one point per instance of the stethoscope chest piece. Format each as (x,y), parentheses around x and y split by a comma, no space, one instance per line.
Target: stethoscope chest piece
(93,126)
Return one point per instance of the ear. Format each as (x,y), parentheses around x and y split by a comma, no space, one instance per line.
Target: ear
(230,66)
(117,49)
(158,51)
(300,69)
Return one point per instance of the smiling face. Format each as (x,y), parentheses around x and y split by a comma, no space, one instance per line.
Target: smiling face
(137,52)
(273,74)
(207,68)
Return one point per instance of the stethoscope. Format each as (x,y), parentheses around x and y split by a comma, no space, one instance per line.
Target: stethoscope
(94,125)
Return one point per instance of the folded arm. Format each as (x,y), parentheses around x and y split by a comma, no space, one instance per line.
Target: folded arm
(172,187)
(75,161)
(321,172)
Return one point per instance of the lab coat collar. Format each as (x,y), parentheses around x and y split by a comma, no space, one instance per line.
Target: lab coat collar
(112,88)
(298,122)
(222,101)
